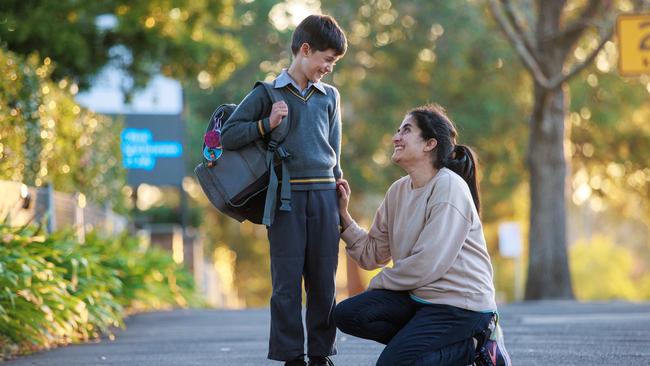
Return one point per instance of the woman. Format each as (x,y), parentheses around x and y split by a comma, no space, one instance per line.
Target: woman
(435,305)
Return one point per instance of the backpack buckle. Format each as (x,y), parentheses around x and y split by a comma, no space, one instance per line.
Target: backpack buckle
(272,145)
(282,153)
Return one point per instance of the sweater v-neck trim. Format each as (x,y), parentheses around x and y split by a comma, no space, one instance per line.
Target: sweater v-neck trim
(311,92)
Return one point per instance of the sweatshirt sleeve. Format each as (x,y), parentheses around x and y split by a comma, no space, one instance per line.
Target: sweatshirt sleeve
(335,135)
(249,121)
(370,249)
(433,254)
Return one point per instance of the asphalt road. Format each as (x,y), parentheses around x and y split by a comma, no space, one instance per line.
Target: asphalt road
(538,333)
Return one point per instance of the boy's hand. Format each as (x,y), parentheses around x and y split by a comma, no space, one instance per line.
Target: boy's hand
(344,192)
(279,110)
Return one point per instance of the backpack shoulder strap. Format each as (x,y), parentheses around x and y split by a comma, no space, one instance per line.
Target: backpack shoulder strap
(277,136)
(279,133)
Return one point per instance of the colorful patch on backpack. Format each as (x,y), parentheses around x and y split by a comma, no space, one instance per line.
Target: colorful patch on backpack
(212,139)
(212,154)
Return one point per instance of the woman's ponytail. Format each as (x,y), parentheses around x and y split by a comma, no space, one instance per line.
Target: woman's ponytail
(434,123)
(462,161)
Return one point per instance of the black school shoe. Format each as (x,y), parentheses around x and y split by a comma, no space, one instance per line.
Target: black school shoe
(320,361)
(296,362)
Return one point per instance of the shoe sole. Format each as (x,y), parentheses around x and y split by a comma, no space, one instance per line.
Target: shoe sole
(504,353)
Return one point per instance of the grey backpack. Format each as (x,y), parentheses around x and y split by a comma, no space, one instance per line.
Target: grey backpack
(243,183)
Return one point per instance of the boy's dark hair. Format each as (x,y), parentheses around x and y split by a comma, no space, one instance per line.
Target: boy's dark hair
(434,123)
(320,32)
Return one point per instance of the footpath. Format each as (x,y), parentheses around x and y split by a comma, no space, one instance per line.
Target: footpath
(537,333)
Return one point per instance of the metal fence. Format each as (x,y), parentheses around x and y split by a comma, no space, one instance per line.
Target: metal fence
(21,205)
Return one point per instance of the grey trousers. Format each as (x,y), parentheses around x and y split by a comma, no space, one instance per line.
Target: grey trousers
(304,245)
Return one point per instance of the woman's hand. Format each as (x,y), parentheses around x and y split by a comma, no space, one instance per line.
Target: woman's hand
(344,192)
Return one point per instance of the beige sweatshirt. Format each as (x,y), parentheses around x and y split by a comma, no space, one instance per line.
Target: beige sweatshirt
(435,238)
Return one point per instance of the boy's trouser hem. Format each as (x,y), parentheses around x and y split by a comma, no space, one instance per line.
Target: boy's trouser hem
(296,354)
(331,353)
(286,356)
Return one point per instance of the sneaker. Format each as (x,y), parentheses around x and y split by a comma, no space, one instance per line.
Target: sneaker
(320,361)
(491,348)
(296,362)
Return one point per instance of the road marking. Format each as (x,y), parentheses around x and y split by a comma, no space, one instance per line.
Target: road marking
(584,318)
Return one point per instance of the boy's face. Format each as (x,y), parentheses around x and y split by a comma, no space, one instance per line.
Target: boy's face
(316,64)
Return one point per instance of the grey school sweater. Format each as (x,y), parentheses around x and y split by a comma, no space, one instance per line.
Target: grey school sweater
(435,238)
(313,141)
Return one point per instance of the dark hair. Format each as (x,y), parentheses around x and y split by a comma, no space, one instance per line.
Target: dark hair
(434,123)
(321,32)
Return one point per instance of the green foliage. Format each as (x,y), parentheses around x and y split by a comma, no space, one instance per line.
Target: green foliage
(167,213)
(150,278)
(54,289)
(45,137)
(265,44)
(418,52)
(181,38)
(609,130)
(421,52)
(400,55)
(21,95)
(602,270)
(250,245)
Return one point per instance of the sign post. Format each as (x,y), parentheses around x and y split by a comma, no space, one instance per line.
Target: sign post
(633,32)
(510,247)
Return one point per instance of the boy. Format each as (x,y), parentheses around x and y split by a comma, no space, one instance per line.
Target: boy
(303,241)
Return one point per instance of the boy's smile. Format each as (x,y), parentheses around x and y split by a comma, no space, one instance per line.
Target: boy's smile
(319,64)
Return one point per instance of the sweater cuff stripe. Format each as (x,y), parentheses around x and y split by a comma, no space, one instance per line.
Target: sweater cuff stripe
(260,128)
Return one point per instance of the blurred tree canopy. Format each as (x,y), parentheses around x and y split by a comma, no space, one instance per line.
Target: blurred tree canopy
(183,39)
(607,271)
(399,56)
(57,47)
(418,52)
(45,137)
(610,135)
(403,54)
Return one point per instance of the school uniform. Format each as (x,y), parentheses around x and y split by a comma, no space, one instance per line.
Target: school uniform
(303,241)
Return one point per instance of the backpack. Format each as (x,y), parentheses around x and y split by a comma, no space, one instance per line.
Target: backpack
(243,183)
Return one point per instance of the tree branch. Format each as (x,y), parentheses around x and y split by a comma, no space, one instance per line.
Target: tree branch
(558,80)
(525,36)
(573,31)
(605,36)
(530,62)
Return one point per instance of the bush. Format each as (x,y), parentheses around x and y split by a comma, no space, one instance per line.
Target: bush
(602,270)
(56,290)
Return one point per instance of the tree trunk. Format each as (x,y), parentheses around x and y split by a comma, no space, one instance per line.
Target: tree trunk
(548,269)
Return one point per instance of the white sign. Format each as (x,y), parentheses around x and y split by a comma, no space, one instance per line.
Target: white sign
(509,240)
(161,96)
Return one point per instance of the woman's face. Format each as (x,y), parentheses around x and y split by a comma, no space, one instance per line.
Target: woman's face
(409,146)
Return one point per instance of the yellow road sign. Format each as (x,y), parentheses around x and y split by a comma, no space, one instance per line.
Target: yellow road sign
(633,32)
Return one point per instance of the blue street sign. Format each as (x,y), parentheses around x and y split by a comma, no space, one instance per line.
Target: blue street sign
(140,151)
